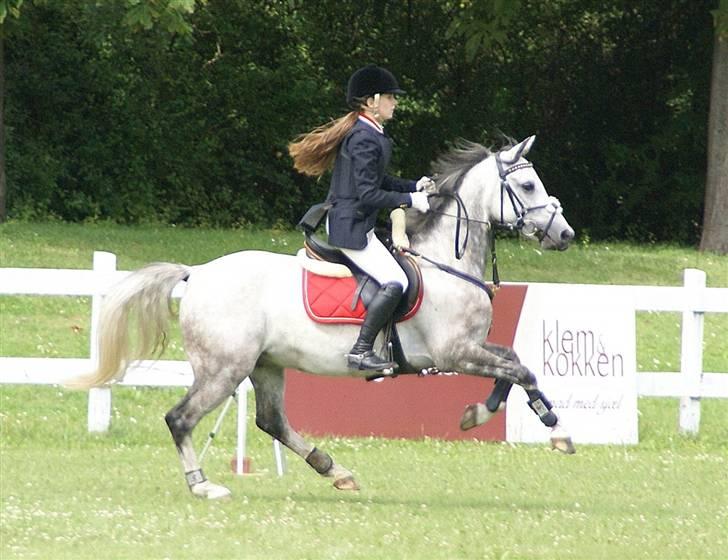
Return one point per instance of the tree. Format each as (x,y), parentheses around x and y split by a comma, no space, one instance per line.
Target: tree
(139,14)
(715,216)
(623,146)
(113,111)
(620,91)
(3,211)
(11,7)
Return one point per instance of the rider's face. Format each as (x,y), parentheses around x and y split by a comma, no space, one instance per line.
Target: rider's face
(384,109)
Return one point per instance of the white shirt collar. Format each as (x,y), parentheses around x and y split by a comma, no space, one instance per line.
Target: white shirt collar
(371,122)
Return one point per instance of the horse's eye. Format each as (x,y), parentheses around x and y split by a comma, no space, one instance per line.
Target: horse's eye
(528,186)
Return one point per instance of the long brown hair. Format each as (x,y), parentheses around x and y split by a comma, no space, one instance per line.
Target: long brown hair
(313,153)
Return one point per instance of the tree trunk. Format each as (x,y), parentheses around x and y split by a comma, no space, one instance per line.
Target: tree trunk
(715,216)
(3,209)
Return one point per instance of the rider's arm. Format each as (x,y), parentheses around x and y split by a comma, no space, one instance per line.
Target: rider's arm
(369,177)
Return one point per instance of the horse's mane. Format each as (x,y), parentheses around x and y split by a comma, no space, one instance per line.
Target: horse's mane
(449,171)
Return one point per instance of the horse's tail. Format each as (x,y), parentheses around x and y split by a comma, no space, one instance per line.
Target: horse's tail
(142,301)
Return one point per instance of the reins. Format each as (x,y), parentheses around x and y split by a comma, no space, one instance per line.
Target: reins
(455,272)
(460,251)
(519,208)
(461,209)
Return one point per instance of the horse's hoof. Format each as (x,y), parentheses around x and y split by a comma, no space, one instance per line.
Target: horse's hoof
(475,415)
(346,483)
(564,445)
(208,490)
(561,441)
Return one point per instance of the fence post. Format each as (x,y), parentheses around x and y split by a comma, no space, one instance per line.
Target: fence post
(99,398)
(691,351)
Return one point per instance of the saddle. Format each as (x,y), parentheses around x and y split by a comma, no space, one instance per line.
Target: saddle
(335,290)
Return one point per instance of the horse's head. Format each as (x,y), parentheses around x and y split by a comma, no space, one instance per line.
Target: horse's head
(524,204)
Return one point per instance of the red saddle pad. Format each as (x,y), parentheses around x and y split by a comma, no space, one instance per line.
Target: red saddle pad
(328,300)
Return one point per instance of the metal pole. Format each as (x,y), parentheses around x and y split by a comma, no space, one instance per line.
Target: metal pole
(218,423)
(280,457)
(242,427)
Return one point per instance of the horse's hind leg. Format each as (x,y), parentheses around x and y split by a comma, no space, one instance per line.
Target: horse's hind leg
(270,416)
(206,393)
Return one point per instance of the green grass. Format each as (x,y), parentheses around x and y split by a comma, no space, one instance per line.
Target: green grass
(67,494)
(59,245)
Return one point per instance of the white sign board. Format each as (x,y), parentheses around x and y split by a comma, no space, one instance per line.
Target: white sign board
(582,351)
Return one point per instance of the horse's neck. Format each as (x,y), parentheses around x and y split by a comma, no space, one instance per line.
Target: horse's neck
(438,242)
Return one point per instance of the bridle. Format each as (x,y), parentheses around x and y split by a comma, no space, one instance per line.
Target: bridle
(519,208)
(553,206)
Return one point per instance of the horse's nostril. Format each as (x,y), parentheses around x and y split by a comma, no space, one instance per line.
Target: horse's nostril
(567,234)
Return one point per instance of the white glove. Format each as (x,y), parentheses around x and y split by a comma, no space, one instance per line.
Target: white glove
(425,184)
(420,202)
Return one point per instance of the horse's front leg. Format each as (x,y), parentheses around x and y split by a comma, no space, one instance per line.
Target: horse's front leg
(479,413)
(492,360)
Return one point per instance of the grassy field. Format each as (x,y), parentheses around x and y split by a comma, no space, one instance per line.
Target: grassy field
(67,494)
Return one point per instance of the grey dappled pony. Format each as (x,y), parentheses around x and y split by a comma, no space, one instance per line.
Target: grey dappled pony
(242,315)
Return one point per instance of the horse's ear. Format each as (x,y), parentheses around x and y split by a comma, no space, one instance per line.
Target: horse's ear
(519,150)
(527,143)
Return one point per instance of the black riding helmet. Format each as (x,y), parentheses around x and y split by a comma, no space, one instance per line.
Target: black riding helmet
(368,81)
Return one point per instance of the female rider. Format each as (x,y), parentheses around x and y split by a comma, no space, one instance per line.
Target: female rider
(360,152)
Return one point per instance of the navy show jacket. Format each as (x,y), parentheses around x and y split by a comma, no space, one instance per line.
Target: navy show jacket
(360,186)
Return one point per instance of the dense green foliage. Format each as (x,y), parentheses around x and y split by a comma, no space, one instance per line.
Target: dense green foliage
(107,121)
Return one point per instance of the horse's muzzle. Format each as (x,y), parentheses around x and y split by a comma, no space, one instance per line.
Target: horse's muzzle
(558,241)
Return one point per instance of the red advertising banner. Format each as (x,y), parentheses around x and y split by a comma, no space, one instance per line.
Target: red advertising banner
(407,406)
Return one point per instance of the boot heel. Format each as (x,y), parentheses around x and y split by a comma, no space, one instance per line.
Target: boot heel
(369,361)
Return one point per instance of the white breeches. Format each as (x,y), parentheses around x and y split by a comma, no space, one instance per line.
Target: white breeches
(375,260)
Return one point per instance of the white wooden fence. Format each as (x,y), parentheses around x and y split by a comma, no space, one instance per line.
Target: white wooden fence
(690,384)
(54,371)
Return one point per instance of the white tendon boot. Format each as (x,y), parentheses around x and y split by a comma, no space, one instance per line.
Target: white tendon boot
(203,488)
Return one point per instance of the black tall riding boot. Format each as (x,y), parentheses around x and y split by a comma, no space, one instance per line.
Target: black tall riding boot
(379,312)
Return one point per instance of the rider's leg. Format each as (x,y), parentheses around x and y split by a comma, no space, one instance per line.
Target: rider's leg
(376,261)
(379,313)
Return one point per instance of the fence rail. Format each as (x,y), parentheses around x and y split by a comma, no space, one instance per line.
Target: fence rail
(691,384)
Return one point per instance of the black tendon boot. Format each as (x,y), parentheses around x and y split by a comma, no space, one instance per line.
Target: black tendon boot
(379,312)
